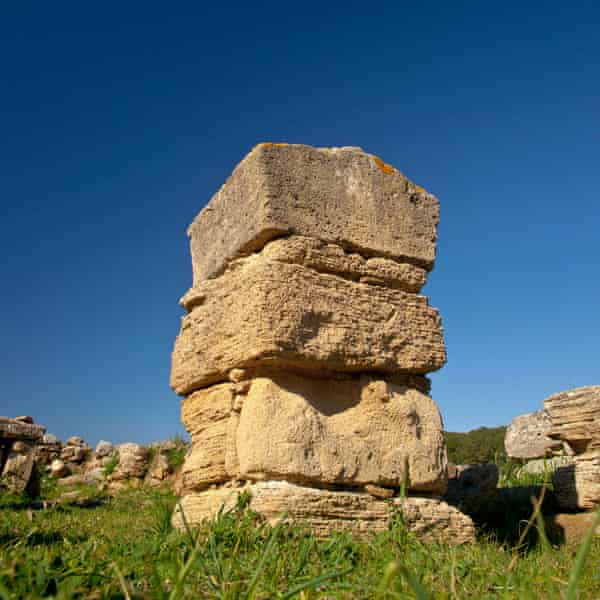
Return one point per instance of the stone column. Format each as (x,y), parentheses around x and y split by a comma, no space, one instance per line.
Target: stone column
(303,355)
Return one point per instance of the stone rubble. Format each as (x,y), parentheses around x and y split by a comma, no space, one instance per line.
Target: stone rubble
(17,457)
(527,437)
(569,428)
(59,468)
(27,451)
(133,462)
(303,354)
(575,417)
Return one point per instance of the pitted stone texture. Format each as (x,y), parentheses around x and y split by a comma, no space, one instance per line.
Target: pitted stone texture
(74,454)
(205,505)
(334,260)
(104,449)
(352,431)
(243,378)
(575,416)
(159,470)
(133,462)
(346,432)
(577,486)
(206,415)
(18,470)
(527,436)
(13,429)
(340,195)
(325,512)
(59,468)
(288,316)
(571,528)
(48,449)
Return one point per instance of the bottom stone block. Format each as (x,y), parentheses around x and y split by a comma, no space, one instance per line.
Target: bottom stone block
(571,528)
(325,511)
(577,485)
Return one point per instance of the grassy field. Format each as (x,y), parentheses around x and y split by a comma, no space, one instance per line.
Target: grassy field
(126,548)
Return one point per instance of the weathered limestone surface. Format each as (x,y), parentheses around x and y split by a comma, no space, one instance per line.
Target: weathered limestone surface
(303,353)
(18,470)
(527,436)
(339,195)
(354,432)
(325,511)
(104,449)
(17,456)
(19,430)
(59,468)
(575,416)
(133,462)
(332,259)
(289,316)
(569,428)
(577,485)
(571,528)
(206,415)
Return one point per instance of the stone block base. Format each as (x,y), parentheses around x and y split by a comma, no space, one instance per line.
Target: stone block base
(325,511)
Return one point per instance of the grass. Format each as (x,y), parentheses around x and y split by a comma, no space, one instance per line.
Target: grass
(126,548)
(511,474)
(176,457)
(111,465)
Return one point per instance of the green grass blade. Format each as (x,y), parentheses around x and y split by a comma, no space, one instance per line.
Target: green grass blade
(122,582)
(4,593)
(186,525)
(390,572)
(420,592)
(582,553)
(183,573)
(263,559)
(541,529)
(315,582)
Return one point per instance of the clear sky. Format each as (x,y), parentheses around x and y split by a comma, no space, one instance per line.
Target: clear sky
(118,121)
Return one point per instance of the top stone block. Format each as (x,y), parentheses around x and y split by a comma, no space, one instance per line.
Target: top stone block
(338,195)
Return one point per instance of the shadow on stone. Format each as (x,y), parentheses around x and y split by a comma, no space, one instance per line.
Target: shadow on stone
(501,513)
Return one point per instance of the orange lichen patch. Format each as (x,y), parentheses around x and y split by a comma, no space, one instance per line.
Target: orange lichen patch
(268,144)
(383,166)
(419,189)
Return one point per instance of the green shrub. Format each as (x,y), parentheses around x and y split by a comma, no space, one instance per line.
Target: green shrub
(482,445)
(175,457)
(111,465)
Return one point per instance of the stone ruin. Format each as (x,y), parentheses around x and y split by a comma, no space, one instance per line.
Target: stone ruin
(26,451)
(303,355)
(17,459)
(564,436)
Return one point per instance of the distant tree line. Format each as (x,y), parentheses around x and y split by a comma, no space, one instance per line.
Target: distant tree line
(482,445)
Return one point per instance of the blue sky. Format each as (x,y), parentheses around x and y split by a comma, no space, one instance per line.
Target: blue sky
(119,121)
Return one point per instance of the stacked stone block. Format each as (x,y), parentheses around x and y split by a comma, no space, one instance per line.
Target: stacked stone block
(17,453)
(303,354)
(575,417)
(565,436)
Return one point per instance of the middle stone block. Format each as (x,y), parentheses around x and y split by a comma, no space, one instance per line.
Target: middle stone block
(354,431)
(262,312)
